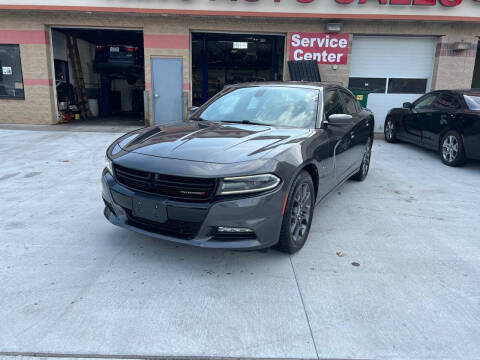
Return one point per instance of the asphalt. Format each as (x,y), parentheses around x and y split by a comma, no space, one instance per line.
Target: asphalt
(74,286)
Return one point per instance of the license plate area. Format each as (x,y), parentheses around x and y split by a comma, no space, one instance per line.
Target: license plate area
(149,208)
(114,49)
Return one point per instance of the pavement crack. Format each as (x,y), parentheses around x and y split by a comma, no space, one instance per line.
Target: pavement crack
(304,307)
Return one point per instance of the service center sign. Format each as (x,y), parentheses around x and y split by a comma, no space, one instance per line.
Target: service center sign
(324,48)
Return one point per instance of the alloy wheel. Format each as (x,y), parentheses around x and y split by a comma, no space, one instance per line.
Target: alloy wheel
(301,212)
(389,129)
(450,148)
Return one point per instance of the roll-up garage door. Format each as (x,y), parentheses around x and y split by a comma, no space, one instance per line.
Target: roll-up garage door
(387,71)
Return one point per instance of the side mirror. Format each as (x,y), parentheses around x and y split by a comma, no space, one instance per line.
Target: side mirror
(191,110)
(407,105)
(339,119)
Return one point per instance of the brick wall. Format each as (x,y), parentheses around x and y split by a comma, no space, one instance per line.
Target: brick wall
(169,36)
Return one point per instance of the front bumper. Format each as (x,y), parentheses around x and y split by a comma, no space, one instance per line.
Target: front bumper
(195,223)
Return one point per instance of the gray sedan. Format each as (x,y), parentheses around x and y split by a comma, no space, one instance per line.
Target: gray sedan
(245,171)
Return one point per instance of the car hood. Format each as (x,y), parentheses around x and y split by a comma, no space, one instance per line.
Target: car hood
(211,142)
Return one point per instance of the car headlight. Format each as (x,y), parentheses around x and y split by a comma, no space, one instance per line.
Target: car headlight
(108,165)
(248,184)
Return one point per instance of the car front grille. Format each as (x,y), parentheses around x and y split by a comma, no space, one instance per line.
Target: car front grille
(175,187)
(179,229)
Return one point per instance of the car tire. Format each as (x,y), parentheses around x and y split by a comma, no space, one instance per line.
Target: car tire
(365,166)
(390,130)
(298,214)
(452,151)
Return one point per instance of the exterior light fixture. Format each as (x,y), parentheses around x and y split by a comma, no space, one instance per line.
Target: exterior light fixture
(462,46)
(334,27)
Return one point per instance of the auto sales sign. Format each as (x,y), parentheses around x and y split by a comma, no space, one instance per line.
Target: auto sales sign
(324,48)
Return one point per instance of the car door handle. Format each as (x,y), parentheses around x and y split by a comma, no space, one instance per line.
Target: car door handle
(156,96)
(352,135)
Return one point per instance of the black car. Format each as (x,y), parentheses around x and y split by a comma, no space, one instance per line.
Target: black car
(245,171)
(445,121)
(120,61)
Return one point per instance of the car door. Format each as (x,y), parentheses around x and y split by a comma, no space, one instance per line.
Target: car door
(444,110)
(361,132)
(412,121)
(340,136)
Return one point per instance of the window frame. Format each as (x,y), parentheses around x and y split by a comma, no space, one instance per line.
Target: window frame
(344,95)
(326,91)
(388,91)
(22,97)
(451,94)
(420,99)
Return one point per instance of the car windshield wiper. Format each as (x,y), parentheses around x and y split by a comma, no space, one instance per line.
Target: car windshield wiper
(247,122)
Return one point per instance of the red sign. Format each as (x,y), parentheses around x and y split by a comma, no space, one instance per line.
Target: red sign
(447,3)
(324,48)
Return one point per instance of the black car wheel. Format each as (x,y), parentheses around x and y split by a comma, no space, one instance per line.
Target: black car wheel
(390,130)
(297,217)
(365,166)
(451,149)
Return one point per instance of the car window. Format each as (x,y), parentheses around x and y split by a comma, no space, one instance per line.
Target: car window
(473,101)
(425,102)
(350,104)
(333,105)
(446,101)
(265,105)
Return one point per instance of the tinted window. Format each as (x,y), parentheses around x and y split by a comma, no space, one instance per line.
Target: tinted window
(473,101)
(371,85)
(333,105)
(425,102)
(11,78)
(407,86)
(350,104)
(446,101)
(269,105)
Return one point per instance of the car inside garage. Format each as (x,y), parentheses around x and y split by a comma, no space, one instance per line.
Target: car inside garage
(99,76)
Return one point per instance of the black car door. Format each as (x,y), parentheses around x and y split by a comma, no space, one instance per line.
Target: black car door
(421,111)
(340,135)
(443,111)
(361,131)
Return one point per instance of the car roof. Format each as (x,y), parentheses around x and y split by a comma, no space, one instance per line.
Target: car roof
(297,84)
(460,91)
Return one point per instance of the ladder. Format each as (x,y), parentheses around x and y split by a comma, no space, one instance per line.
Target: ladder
(74,56)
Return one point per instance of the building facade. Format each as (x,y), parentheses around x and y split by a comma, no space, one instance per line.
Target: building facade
(386,51)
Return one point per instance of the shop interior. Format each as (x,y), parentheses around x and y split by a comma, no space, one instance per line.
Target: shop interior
(220,59)
(99,76)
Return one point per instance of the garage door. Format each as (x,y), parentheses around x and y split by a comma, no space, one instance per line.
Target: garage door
(388,71)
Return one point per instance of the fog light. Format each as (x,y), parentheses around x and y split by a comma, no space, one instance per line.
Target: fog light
(234,230)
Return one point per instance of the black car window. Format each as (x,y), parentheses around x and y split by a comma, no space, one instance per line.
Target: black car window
(473,101)
(446,101)
(425,102)
(333,104)
(350,104)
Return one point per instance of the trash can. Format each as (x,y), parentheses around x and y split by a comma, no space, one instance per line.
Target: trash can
(361,96)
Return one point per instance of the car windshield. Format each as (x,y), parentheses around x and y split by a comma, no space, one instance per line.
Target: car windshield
(473,101)
(265,105)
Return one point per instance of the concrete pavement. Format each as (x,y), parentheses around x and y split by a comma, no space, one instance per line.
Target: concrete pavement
(72,284)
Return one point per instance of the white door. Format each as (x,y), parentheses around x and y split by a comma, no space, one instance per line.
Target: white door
(393,69)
